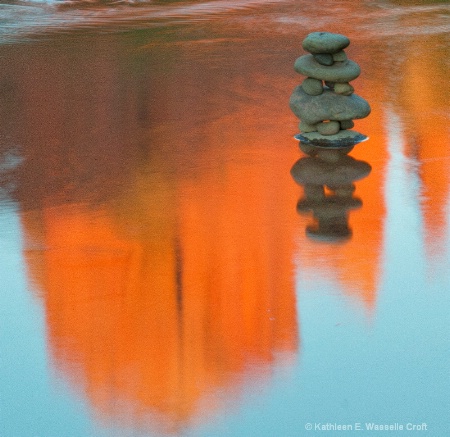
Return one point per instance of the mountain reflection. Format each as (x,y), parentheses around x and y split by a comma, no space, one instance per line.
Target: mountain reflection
(164,261)
(153,306)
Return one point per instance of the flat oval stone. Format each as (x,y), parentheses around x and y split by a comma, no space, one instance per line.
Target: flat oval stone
(343,141)
(327,106)
(325,42)
(338,72)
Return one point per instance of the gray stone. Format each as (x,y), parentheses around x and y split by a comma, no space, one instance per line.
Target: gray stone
(325,42)
(338,72)
(305,127)
(328,127)
(313,87)
(327,106)
(347,124)
(324,58)
(343,88)
(343,140)
(339,56)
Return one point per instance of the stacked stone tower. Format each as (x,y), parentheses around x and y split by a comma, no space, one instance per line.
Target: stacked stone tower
(325,102)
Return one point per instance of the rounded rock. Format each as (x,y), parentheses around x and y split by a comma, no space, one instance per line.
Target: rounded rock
(327,106)
(313,87)
(343,88)
(338,72)
(325,42)
(339,56)
(328,128)
(347,124)
(324,59)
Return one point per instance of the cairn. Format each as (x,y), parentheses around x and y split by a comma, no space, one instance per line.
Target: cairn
(325,101)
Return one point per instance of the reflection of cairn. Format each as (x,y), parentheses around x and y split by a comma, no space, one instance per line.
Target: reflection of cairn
(328,192)
(325,102)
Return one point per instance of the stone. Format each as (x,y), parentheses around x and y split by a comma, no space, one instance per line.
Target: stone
(305,127)
(343,140)
(313,87)
(343,88)
(347,124)
(324,59)
(339,56)
(328,128)
(325,42)
(338,72)
(329,85)
(327,106)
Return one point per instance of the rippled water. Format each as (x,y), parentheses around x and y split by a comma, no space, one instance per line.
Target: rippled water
(162,272)
(21,19)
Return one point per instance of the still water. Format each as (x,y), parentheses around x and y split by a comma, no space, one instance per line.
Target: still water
(158,275)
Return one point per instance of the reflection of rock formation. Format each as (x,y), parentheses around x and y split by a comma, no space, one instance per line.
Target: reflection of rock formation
(157,305)
(327,178)
(164,268)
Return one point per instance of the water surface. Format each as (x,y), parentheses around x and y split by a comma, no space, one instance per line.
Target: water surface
(156,276)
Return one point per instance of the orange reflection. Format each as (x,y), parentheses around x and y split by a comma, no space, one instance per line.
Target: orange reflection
(167,273)
(159,213)
(161,318)
(424,97)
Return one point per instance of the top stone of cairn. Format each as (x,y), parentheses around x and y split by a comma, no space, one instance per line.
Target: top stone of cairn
(325,42)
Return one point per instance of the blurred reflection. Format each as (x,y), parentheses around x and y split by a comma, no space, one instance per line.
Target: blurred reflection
(152,308)
(327,177)
(164,261)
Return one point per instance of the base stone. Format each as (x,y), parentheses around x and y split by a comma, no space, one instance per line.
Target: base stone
(344,138)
